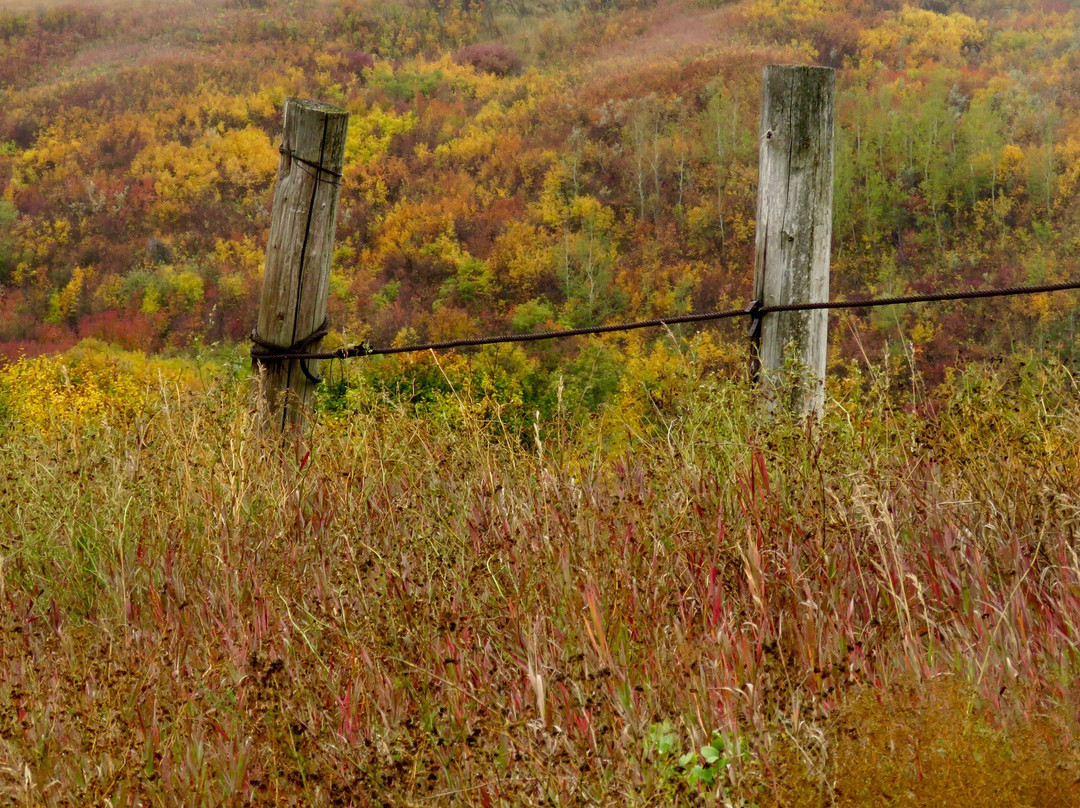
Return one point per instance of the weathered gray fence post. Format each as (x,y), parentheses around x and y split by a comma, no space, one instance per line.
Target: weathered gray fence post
(794,233)
(292,308)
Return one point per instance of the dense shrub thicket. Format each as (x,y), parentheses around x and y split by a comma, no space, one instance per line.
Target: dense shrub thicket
(611,176)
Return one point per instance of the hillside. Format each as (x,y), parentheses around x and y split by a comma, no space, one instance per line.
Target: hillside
(512,165)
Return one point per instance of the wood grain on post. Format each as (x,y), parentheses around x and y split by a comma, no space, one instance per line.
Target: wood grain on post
(296,283)
(794,232)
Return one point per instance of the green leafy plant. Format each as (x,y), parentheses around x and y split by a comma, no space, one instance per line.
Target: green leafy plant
(660,739)
(706,766)
(717,756)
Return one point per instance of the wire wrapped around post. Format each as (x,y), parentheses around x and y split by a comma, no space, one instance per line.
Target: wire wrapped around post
(263,352)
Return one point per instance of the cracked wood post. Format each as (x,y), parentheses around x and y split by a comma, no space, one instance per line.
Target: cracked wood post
(794,234)
(296,283)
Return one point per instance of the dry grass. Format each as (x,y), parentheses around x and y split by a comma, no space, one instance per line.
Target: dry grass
(21,6)
(670,32)
(885,611)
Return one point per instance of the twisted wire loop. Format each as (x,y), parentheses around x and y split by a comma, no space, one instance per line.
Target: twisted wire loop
(335,176)
(264,352)
(755,310)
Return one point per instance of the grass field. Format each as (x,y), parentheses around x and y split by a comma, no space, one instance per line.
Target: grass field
(19,6)
(711,607)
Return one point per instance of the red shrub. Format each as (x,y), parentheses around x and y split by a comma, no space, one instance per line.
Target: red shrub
(495,58)
(351,64)
(132,331)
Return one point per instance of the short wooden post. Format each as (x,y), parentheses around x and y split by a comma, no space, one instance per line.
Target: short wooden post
(794,233)
(292,308)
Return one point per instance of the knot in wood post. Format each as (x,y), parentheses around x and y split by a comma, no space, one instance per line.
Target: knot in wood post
(794,233)
(292,307)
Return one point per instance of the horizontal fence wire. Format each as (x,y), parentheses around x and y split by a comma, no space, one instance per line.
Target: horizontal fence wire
(754,310)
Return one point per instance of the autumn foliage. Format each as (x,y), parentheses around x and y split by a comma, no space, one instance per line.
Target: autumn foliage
(585,572)
(496,165)
(497,59)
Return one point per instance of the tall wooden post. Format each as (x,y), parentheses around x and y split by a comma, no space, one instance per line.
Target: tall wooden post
(794,233)
(292,308)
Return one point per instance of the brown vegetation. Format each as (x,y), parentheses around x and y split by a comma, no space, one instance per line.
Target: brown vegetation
(702,606)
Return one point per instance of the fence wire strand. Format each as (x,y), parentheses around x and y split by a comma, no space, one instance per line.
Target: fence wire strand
(754,311)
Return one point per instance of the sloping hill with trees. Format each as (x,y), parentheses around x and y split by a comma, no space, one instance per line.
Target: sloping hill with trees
(525,163)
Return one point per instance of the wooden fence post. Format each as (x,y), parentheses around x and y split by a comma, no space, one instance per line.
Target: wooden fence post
(794,233)
(292,308)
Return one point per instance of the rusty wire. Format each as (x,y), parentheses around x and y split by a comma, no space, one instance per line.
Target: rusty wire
(755,311)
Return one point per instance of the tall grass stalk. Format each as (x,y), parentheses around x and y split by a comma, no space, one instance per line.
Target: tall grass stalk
(883,609)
